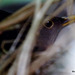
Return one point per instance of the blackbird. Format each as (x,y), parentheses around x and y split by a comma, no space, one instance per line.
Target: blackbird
(47,35)
(48,32)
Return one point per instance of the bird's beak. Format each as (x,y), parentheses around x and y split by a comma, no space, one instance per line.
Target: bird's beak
(69,20)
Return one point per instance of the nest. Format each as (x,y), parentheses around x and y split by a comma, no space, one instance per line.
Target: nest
(18,37)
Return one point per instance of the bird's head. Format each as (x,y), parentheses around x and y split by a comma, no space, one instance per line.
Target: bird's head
(59,22)
(50,30)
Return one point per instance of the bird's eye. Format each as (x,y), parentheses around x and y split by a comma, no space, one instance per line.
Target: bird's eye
(49,24)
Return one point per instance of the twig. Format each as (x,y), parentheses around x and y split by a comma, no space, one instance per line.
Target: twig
(4,63)
(30,39)
(56,12)
(12,48)
(13,68)
(3,44)
(38,6)
(12,54)
(18,19)
(70,7)
(23,9)
(47,55)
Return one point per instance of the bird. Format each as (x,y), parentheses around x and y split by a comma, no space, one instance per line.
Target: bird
(48,32)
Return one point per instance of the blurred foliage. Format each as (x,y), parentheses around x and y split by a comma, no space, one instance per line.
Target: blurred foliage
(4,2)
(10,1)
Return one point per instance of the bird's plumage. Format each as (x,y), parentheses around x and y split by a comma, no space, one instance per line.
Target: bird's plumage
(47,34)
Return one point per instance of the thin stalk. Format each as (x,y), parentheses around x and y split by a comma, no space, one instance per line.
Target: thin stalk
(12,55)
(30,40)
(56,12)
(16,20)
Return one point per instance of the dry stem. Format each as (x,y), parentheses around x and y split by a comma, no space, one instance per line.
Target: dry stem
(30,39)
(56,12)
(18,19)
(70,7)
(12,55)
